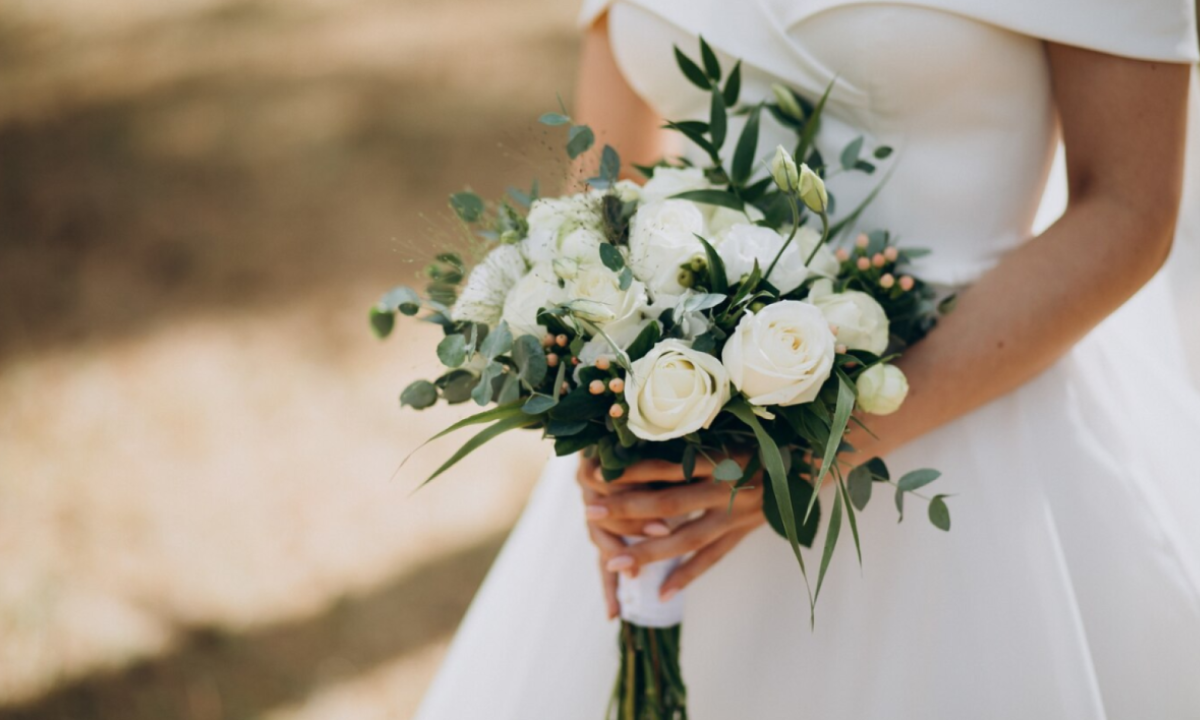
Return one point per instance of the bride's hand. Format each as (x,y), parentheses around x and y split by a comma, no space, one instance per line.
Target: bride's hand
(626,507)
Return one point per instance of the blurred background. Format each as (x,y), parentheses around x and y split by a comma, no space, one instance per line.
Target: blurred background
(200,515)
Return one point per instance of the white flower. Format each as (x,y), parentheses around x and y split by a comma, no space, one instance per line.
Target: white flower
(861,322)
(669,181)
(595,295)
(722,219)
(538,289)
(674,390)
(824,262)
(782,355)
(482,298)
(626,190)
(784,171)
(550,219)
(812,189)
(746,244)
(882,389)
(577,250)
(662,239)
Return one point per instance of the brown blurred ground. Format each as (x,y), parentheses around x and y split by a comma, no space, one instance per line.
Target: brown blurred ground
(198,201)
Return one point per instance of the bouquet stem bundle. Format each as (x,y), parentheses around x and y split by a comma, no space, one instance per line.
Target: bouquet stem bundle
(649,683)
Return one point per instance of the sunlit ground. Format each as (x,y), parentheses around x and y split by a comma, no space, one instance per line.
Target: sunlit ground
(198,436)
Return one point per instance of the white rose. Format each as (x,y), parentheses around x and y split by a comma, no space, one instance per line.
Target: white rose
(483,296)
(626,190)
(550,219)
(578,249)
(882,389)
(824,262)
(669,181)
(746,244)
(662,239)
(596,296)
(674,390)
(721,219)
(538,289)
(861,322)
(782,355)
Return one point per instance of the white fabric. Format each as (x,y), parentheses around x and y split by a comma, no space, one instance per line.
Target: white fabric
(1069,586)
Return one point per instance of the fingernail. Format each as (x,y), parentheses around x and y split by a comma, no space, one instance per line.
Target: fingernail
(596,512)
(666,595)
(656,529)
(620,562)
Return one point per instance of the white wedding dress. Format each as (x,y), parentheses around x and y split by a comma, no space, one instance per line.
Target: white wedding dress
(1069,586)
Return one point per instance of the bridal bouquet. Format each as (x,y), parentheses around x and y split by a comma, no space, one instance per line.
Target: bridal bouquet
(699,315)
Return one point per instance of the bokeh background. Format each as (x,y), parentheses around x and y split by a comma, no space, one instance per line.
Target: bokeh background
(200,515)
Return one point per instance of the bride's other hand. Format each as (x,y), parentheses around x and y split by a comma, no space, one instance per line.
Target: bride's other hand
(718,525)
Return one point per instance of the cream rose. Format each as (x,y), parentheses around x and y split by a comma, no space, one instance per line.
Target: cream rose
(550,219)
(662,239)
(861,322)
(538,289)
(669,181)
(744,245)
(483,296)
(882,389)
(674,390)
(595,294)
(782,355)
(577,250)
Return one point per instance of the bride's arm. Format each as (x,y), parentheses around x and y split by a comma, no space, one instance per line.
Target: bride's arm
(1123,123)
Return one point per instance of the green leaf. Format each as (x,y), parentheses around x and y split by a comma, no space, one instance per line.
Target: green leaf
(882,152)
(452,350)
(939,514)
(692,135)
(831,538)
(382,322)
(511,422)
(841,416)
(419,395)
(689,462)
(510,390)
(695,302)
(691,70)
(611,257)
(723,198)
(482,394)
(801,492)
(917,479)
(900,504)
(747,148)
(717,119)
(717,282)
(859,484)
(610,164)
(728,470)
(457,385)
(565,428)
(553,119)
(810,127)
(625,280)
(850,153)
(711,65)
(530,358)
(497,343)
(947,306)
(401,298)
(467,205)
(538,404)
(579,140)
(580,405)
(845,495)
(733,85)
(646,339)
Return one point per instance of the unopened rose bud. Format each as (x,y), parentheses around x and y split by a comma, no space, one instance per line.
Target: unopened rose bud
(596,387)
(603,363)
(812,189)
(891,253)
(616,411)
(787,102)
(862,241)
(878,260)
(906,283)
(561,340)
(552,359)
(617,385)
(784,171)
(863,264)
(887,281)
(842,254)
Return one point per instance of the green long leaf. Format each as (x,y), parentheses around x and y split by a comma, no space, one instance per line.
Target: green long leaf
(811,126)
(917,479)
(837,228)
(850,516)
(841,417)
(717,119)
(691,70)
(717,281)
(831,538)
(733,85)
(711,65)
(773,461)
(747,148)
(713,197)
(488,433)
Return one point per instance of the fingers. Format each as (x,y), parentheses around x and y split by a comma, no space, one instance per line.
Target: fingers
(687,539)
(704,559)
(647,471)
(609,546)
(666,503)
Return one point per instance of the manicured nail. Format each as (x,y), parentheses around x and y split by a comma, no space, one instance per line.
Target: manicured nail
(666,595)
(596,512)
(656,529)
(620,562)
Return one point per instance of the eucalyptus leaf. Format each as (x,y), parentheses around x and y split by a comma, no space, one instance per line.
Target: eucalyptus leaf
(610,164)
(565,428)
(482,394)
(419,395)
(917,479)
(457,385)
(882,152)
(939,514)
(467,205)
(610,255)
(625,279)
(858,485)
(695,302)
(851,152)
(497,343)
(452,350)
(579,140)
(530,358)
(900,504)
(553,119)
(538,404)
(401,298)
(510,390)
(382,322)
(728,470)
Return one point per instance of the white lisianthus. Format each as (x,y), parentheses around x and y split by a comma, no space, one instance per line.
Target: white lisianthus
(577,250)
(722,219)
(550,219)
(812,189)
(781,355)
(882,389)
(483,296)
(668,181)
(626,190)
(662,239)
(746,244)
(824,263)
(595,295)
(538,289)
(861,322)
(784,170)
(674,390)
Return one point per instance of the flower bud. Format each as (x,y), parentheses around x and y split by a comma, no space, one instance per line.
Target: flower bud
(882,389)
(891,253)
(787,102)
(878,260)
(842,254)
(616,411)
(887,281)
(603,363)
(863,263)
(686,277)
(552,359)
(812,189)
(617,385)
(697,264)
(783,169)
(862,241)
(596,387)
(906,283)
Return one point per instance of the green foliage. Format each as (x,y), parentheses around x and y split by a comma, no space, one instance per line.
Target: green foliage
(722,198)
(452,350)
(917,479)
(831,538)
(485,388)
(717,120)
(530,358)
(610,166)
(611,257)
(497,343)
(733,85)
(419,395)
(538,404)
(747,148)
(691,70)
(939,514)
(580,139)
(850,153)
(382,322)
(728,470)
(646,339)
(553,119)
(859,484)
(457,385)
(467,205)
(716,278)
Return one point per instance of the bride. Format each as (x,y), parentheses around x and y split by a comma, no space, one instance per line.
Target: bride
(1055,399)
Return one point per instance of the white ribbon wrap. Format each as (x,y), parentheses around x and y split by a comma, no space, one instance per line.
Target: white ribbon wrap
(640,603)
